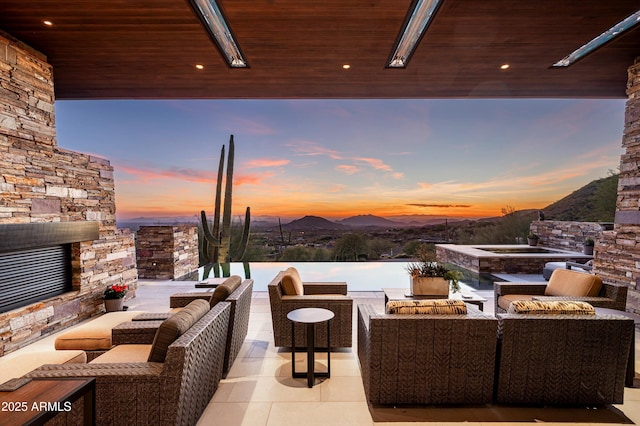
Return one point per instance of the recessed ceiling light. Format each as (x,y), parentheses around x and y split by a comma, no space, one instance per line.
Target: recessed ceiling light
(200,66)
(418,19)
(613,32)
(213,19)
(346,66)
(504,66)
(47,23)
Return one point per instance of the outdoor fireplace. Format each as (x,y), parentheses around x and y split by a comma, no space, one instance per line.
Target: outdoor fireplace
(35,260)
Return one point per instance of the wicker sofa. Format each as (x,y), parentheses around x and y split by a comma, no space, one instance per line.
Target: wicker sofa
(562,359)
(328,295)
(425,358)
(564,284)
(237,293)
(173,392)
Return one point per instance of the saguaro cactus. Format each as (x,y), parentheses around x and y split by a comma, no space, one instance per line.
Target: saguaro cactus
(217,240)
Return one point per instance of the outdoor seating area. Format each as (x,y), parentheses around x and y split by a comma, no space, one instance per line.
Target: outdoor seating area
(421,360)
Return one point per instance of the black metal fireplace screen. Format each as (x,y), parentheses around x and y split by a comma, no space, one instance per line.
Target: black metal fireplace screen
(35,260)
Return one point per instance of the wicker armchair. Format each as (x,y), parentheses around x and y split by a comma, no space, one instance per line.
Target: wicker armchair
(562,359)
(610,296)
(142,329)
(174,392)
(427,359)
(328,295)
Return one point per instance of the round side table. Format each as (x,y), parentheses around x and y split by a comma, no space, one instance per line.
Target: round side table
(310,317)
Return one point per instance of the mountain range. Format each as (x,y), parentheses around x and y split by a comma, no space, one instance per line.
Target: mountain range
(593,202)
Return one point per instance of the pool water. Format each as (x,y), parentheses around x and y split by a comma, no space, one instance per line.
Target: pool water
(519,250)
(359,276)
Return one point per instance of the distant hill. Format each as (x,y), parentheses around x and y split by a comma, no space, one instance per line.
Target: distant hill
(594,202)
(369,220)
(310,223)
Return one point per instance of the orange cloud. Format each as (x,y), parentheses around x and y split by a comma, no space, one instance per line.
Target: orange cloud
(191,175)
(375,163)
(303,147)
(250,179)
(266,162)
(440,206)
(347,169)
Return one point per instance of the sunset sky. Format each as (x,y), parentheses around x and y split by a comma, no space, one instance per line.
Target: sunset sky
(338,158)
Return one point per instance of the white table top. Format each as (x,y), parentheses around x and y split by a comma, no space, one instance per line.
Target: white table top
(310,315)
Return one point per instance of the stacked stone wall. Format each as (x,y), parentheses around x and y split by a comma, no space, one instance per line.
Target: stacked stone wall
(617,259)
(166,252)
(40,182)
(566,235)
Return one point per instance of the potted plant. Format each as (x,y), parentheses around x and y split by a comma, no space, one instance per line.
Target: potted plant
(588,246)
(533,239)
(114,297)
(432,278)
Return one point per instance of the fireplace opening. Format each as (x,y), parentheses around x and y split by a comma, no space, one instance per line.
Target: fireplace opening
(29,276)
(36,260)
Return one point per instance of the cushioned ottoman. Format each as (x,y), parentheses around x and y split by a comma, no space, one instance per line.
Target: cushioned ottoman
(94,335)
(13,366)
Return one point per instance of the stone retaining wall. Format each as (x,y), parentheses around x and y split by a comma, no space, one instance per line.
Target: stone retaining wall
(565,235)
(40,182)
(166,252)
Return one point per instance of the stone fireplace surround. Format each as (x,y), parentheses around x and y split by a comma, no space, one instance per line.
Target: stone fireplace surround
(43,183)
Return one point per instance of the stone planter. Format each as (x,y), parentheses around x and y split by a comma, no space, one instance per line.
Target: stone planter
(113,305)
(429,286)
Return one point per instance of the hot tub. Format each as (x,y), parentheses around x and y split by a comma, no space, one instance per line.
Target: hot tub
(507,258)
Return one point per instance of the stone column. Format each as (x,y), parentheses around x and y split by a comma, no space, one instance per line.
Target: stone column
(167,252)
(617,256)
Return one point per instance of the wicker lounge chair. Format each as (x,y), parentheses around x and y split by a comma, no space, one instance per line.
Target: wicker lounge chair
(426,358)
(562,359)
(173,392)
(567,285)
(328,295)
(142,329)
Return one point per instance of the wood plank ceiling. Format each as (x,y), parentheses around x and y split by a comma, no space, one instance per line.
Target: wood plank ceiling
(104,49)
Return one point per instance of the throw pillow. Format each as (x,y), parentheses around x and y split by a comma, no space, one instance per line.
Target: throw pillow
(223,291)
(551,307)
(291,283)
(427,306)
(565,282)
(174,327)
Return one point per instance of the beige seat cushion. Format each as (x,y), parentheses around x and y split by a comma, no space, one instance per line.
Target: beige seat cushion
(429,306)
(124,353)
(94,334)
(505,301)
(291,283)
(174,327)
(555,307)
(565,282)
(225,289)
(19,364)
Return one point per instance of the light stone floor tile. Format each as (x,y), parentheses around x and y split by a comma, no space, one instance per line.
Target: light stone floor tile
(342,389)
(264,389)
(236,414)
(321,414)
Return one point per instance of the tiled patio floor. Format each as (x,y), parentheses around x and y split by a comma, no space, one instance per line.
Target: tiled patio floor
(259,389)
